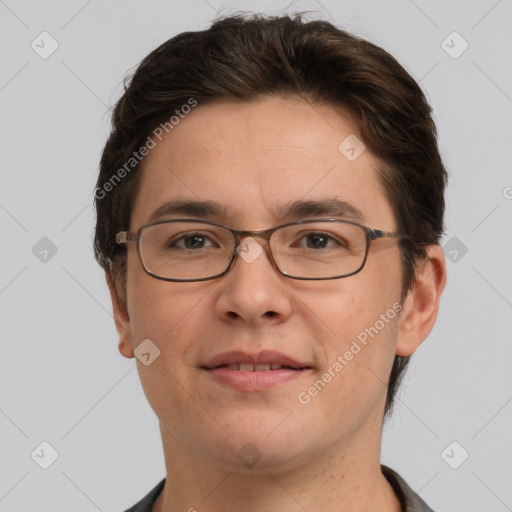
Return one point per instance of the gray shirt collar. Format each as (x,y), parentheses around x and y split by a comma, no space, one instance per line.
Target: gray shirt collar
(409,500)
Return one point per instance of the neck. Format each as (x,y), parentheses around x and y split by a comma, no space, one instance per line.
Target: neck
(344,480)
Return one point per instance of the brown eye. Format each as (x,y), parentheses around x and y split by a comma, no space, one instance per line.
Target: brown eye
(191,241)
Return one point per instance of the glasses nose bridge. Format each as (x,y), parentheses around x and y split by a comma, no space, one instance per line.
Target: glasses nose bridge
(242,234)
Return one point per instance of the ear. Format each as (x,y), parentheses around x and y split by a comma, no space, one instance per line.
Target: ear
(422,302)
(122,320)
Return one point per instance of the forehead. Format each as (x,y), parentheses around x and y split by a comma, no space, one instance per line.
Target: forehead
(258,157)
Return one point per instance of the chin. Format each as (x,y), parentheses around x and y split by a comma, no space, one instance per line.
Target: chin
(260,446)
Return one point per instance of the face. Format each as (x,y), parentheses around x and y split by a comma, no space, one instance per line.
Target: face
(255,159)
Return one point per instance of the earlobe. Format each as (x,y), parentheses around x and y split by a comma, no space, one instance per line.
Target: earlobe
(422,302)
(121,318)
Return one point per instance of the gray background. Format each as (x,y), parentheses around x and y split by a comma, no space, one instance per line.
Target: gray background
(62,378)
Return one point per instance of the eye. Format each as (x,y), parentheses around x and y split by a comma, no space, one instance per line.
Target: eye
(192,241)
(319,240)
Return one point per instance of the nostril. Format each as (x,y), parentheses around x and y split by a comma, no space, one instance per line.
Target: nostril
(271,314)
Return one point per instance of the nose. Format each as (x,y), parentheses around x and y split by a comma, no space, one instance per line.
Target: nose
(253,291)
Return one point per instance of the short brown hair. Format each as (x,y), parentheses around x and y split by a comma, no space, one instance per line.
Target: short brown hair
(241,58)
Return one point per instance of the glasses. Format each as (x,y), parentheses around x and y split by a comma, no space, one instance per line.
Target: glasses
(200,250)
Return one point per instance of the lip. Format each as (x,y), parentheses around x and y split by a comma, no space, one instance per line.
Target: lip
(254,380)
(265,356)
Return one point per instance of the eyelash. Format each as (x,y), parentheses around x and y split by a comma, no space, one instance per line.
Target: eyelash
(303,236)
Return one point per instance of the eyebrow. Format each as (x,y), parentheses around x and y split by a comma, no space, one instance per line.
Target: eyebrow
(328,207)
(189,208)
(325,207)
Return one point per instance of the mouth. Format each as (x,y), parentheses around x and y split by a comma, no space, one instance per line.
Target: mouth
(249,367)
(254,372)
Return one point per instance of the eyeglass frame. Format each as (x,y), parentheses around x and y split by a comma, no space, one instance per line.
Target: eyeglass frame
(371,234)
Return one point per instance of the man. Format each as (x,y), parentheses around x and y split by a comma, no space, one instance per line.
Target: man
(269,208)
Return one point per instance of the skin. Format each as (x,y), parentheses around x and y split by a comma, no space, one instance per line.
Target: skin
(254,157)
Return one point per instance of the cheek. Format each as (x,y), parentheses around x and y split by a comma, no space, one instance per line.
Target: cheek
(173,316)
(348,306)
(364,333)
(356,325)
(353,380)
(158,309)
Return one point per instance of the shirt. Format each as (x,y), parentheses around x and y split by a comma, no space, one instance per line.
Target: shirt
(409,500)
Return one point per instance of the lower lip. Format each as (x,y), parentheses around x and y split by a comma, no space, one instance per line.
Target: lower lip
(254,381)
